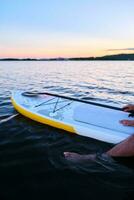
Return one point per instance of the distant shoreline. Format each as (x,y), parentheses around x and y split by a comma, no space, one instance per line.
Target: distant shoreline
(117,57)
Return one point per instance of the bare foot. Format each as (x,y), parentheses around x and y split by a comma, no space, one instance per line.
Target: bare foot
(75,157)
(127,122)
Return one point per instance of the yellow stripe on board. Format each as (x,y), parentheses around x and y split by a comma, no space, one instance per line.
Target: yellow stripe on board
(42,119)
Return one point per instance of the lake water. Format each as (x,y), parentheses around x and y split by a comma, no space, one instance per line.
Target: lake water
(31,154)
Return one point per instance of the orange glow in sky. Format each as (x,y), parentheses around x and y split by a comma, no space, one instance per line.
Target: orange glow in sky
(46,29)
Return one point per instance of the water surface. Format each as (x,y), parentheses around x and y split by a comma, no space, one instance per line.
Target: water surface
(31,154)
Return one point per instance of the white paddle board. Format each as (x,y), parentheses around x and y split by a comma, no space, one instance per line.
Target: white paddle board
(88,119)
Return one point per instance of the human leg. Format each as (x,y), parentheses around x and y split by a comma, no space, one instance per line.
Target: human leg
(123,149)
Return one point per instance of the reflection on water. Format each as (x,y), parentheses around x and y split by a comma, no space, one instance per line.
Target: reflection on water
(105,80)
(31,154)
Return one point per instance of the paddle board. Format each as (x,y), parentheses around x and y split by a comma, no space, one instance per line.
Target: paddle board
(88,119)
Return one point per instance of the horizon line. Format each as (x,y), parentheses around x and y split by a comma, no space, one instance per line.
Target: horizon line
(60,57)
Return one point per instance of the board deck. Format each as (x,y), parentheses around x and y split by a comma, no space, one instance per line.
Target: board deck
(88,119)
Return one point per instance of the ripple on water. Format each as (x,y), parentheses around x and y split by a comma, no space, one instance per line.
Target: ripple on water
(31,154)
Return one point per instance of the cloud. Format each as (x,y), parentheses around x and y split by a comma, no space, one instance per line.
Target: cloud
(125,49)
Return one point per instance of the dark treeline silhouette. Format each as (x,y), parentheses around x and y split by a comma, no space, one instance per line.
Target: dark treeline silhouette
(107,57)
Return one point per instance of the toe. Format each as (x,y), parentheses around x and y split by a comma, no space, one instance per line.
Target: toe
(67,154)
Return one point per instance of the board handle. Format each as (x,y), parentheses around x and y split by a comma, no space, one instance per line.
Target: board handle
(34,94)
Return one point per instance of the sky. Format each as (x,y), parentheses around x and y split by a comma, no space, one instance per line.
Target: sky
(66,28)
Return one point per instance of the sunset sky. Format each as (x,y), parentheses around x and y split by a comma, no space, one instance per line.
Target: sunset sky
(66,28)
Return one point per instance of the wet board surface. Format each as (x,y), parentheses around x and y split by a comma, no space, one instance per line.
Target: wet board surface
(90,120)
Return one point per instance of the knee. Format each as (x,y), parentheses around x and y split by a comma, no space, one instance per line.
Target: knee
(132,137)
